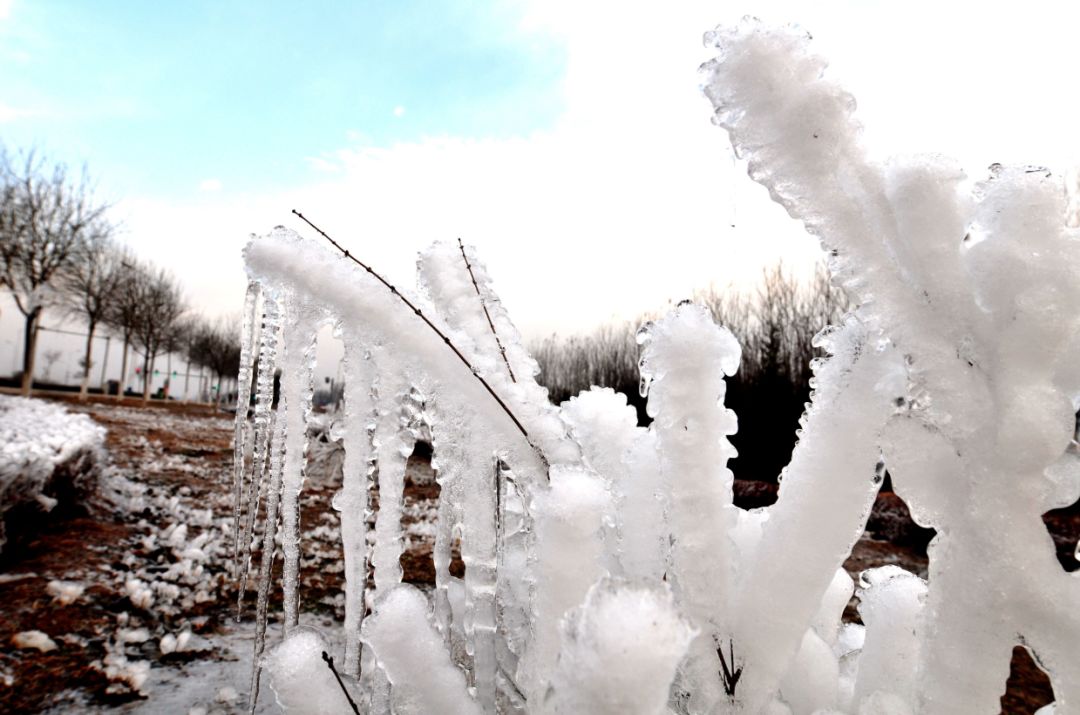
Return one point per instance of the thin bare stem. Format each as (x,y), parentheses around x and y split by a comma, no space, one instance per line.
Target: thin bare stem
(420,314)
(483,304)
(330,663)
(730,675)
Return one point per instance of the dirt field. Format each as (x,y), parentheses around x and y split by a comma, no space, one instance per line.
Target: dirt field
(154,557)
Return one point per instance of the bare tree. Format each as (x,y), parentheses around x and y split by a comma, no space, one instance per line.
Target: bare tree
(89,289)
(123,311)
(216,346)
(775,326)
(45,214)
(158,312)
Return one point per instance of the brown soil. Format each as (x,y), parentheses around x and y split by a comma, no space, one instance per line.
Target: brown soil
(77,548)
(63,548)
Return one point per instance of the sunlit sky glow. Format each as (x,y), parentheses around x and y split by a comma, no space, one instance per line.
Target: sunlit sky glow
(568,141)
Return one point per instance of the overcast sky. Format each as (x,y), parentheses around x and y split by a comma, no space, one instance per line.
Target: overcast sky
(568,141)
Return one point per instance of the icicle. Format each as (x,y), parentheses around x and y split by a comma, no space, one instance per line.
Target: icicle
(441,553)
(375,685)
(568,519)
(273,499)
(352,500)
(241,467)
(296,386)
(264,397)
(515,586)
(392,450)
(468,477)
(478,553)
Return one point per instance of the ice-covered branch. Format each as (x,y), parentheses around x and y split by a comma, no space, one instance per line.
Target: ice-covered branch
(978,292)
(958,367)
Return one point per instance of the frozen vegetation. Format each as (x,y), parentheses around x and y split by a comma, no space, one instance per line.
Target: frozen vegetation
(45,453)
(606,568)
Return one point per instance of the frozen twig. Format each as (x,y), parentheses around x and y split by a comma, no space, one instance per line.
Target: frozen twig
(330,664)
(483,304)
(730,674)
(420,314)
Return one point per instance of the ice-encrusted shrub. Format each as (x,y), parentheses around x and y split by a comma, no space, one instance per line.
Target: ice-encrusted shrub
(579,529)
(48,456)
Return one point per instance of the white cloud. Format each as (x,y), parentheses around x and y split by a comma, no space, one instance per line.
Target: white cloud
(5,8)
(629,200)
(399,111)
(210,185)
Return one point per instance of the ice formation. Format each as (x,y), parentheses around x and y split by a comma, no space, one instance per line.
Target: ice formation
(632,623)
(38,441)
(300,679)
(606,568)
(65,592)
(33,639)
(410,650)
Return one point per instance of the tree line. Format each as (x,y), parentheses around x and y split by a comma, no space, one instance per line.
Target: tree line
(775,326)
(58,252)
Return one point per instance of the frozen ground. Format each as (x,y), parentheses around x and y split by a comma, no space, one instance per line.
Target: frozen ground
(47,456)
(206,685)
(150,564)
(147,626)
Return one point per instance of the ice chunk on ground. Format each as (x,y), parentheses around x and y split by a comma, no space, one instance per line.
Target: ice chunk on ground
(133,635)
(33,639)
(36,437)
(227,695)
(65,592)
(126,675)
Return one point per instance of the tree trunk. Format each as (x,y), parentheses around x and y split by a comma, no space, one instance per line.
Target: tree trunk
(105,364)
(84,388)
(30,335)
(168,376)
(147,364)
(123,371)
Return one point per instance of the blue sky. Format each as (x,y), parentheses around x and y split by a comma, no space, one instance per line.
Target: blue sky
(163,98)
(566,139)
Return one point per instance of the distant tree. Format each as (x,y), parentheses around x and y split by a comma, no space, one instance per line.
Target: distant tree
(123,312)
(185,332)
(89,288)
(216,346)
(775,326)
(776,329)
(160,307)
(45,216)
